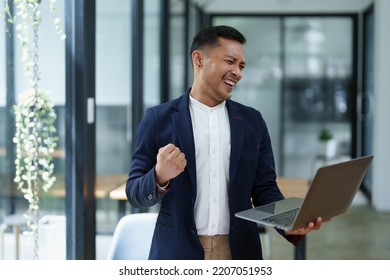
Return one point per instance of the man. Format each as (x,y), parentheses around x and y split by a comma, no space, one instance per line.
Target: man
(206,157)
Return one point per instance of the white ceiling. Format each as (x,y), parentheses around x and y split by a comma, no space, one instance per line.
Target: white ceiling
(283,6)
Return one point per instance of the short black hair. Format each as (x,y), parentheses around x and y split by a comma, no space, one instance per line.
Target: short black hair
(208,37)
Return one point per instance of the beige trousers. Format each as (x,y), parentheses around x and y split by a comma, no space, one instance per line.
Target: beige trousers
(216,247)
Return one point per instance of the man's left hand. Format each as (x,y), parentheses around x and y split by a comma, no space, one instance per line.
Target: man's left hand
(311,226)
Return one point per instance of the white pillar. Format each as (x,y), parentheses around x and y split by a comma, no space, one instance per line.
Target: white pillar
(381,134)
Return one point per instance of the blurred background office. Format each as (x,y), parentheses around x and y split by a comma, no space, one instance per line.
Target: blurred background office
(312,66)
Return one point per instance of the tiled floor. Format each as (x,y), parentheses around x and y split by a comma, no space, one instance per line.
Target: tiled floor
(361,233)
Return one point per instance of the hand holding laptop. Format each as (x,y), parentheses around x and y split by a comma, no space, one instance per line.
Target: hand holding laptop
(311,226)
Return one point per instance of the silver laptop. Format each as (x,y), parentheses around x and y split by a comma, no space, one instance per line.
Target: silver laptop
(330,194)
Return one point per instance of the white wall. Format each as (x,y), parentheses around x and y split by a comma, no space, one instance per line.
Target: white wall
(381,163)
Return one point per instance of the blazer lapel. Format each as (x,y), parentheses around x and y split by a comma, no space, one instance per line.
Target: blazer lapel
(181,119)
(237,138)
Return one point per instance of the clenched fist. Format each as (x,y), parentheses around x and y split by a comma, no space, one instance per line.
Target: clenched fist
(170,163)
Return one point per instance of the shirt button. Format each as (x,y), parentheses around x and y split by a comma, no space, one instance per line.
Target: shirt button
(150,197)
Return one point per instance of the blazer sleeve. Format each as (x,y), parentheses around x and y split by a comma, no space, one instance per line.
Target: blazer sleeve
(141,189)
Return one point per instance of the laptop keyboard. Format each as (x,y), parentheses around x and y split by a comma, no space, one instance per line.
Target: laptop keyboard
(285,218)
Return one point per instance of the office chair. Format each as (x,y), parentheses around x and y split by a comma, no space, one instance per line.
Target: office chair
(132,237)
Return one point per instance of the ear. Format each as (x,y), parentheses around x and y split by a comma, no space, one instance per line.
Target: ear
(197,57)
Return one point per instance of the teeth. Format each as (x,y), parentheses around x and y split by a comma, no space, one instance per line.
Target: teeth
(230,83)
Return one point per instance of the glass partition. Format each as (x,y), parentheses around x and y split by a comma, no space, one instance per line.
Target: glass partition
(113,116)
(113,101)
(318,91)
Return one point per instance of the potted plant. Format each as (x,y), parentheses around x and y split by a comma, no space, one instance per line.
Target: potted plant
(35,135)
(327,145)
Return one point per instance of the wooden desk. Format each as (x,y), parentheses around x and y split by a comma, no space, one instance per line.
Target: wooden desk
(119,193)
(58,153)
(104,185)
(293,187)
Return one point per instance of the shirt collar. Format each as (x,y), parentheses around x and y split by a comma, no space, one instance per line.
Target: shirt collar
(197,104)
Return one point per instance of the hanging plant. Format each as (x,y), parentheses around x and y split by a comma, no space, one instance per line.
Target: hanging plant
(36,135)
(35,140)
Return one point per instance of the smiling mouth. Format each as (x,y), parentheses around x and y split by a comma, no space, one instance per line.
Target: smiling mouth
(230,83)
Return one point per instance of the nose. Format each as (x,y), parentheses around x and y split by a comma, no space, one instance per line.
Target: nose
(237,71)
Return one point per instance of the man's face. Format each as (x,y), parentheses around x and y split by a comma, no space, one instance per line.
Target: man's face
(221,69)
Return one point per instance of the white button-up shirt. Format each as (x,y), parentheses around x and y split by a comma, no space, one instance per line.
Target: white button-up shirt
(212,150)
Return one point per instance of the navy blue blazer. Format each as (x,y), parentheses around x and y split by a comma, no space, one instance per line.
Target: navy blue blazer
(252,179)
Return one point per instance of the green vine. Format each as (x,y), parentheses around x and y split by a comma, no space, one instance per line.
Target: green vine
(35,135)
